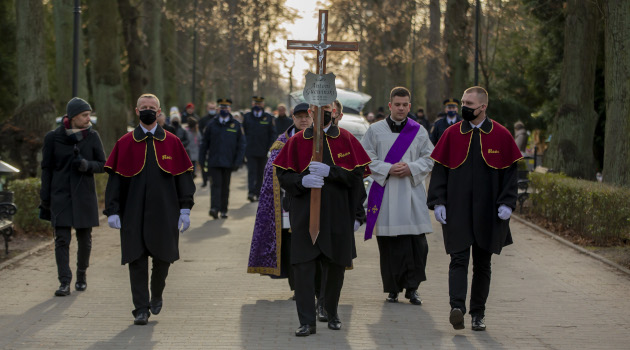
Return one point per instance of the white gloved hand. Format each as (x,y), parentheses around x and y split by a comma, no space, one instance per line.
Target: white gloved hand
(504,212)
(184,220)
(357,224)
(312,181)
(320,169)
(440,214)
(114,221)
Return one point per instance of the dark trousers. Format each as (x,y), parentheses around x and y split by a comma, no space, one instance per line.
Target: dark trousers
(458,279)
(304,274)
(220,188)
(63,236)
(139,277)
(204,175)
(255,172)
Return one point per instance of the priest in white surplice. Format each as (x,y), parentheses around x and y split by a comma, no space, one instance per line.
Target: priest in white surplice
(400,153)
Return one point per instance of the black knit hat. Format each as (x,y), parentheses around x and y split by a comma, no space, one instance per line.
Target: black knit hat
(76,106)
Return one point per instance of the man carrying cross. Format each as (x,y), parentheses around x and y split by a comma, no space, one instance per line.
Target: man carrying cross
(339,176)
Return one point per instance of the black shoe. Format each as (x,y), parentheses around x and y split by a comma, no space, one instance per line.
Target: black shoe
(251,198)
(142,318)
(305,330)
(477,323)
(64,290)
(214,213)
(155,306)
(392,297)
(334,323)
(413,297)
(80,286)
(457,318)
(223,215)
(321,314)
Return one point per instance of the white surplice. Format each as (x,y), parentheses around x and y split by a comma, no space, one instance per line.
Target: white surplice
(404,208)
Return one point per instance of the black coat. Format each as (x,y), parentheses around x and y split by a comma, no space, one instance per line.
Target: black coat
(282,124)
(343,194)
(148,205)
(223,145)
(260,133)
(472,194)
(71,194)
(438,129)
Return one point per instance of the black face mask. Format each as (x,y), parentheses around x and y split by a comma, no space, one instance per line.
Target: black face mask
(469,113)
(327,117)
(148,116)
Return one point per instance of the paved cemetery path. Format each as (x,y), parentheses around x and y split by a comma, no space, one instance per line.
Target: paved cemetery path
(544,295)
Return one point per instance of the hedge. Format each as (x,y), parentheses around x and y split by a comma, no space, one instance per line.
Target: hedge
(26,198)
(595,210)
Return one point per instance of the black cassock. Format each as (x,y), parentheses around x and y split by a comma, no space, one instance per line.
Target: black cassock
(475,192)
(342,203)
(148,205)
(342,199)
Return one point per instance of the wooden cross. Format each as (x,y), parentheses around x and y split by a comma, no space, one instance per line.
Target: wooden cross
(321,46)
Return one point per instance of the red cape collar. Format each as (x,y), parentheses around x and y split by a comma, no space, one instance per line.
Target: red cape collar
(498,148)
(129,153)
(345,149)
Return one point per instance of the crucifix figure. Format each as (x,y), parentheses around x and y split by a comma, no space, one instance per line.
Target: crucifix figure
(322,45)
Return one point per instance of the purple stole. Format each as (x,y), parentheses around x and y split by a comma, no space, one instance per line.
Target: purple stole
(395,154)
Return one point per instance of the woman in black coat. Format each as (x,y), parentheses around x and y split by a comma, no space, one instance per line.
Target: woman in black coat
(72,154)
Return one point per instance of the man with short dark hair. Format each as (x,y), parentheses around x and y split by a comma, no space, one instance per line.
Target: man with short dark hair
(473,186)
(148,198)
(71,155)
(260,132)
(397,211)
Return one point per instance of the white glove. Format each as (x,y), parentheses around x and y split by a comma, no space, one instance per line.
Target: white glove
(114,221)
(504,212)
(184,220)
(357,224)
(320,169)
(312,181)
(440,214)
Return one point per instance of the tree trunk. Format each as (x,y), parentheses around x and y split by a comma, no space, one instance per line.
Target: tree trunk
(133,43)
(23,134)
(617,143)
(153,47)
(571,148)
(434,72)
(458,40)
(109,95)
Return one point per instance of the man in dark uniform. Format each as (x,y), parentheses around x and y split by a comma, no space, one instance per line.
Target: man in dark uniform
(261,133)
(148,198)
(72,154)
(222,151)
(339,176)
(283,121)
(474,188)
(211,107)
(450,108)
(422,119)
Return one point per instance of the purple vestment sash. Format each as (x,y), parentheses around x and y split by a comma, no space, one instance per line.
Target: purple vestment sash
(395,154)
